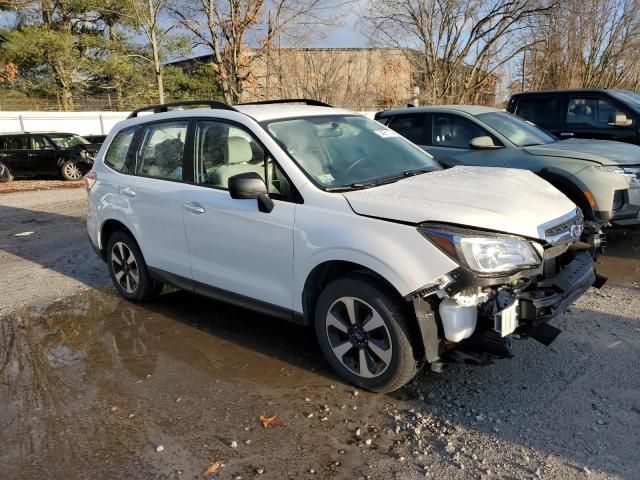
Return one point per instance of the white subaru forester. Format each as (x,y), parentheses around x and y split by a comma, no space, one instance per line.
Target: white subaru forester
(327,218)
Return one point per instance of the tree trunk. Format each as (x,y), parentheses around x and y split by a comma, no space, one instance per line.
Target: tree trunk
(156,54)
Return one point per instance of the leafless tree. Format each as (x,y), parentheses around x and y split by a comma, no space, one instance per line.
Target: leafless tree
(458,45)
(584,43)
(147,13)
(238,32)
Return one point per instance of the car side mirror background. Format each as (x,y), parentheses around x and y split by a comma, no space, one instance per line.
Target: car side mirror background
(619,119)
(483,143)
(250,185)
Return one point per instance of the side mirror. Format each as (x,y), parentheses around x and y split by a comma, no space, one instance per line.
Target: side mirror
(250,185)
(483,143)
(619,119)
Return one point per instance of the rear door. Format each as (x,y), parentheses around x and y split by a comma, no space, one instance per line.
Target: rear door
(234,247)
(588,116)
(152,197)
(451,135)
(543,110)
(42,155)
(16,155)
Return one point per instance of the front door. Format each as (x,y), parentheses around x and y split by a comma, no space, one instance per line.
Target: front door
(233,246)
(589,116)
(451,138)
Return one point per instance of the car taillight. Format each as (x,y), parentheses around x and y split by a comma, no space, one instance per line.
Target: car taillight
(90,180)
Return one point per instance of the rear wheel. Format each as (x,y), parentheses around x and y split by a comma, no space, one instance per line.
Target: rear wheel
(71,171)
(363,328)
(128,269)
(5,174)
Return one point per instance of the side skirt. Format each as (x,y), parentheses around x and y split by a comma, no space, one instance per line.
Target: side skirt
(227,297)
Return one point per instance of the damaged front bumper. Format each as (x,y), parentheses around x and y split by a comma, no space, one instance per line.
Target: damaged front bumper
(473,319)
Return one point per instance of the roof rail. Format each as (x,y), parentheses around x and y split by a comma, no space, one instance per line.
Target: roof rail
(306,101)
(164,107)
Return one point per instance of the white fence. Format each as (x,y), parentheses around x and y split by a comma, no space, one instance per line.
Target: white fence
(82,123)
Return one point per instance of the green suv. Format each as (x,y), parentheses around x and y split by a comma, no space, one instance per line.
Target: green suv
(601,177)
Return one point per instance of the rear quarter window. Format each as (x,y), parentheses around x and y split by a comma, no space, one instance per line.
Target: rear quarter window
(118,153)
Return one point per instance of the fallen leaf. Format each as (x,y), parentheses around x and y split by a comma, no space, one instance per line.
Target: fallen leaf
(213,468)
(270,421)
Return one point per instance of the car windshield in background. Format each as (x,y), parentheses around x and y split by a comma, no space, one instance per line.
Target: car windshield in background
(349,151)
(519,132)
(68,141)
(627,96)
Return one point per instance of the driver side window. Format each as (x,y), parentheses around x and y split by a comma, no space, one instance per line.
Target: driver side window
(223,150)
(454,131)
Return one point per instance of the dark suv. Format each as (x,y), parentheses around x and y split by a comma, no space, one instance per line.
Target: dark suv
(607,114)
(31,154)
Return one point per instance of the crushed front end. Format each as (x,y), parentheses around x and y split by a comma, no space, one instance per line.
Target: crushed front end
(505,286)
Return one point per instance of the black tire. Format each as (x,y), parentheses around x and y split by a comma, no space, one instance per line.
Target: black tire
(146,288)
(368,292)
(71,171)
(5,173)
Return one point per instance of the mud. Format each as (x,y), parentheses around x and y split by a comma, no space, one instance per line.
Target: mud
(91,385)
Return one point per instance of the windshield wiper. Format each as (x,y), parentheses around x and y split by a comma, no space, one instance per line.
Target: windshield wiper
(379,181)
(352,186)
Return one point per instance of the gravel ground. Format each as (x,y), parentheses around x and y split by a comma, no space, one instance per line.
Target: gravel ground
(33,185)
(92,386)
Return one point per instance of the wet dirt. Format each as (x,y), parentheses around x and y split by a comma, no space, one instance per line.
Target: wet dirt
(621,262)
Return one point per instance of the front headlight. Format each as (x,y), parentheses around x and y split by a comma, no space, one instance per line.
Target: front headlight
(483,252)
(632,173)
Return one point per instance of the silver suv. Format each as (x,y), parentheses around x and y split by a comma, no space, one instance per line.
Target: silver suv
(324,217)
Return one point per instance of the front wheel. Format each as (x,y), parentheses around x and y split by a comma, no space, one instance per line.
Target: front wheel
(71,171)
(128,269)
(363,328)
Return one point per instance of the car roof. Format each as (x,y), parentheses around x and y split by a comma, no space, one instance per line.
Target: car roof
(570,90)
(470,109)
(259,113)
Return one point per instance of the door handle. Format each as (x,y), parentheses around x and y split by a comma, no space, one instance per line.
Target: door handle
(127,191)
(194,207)
(566,134)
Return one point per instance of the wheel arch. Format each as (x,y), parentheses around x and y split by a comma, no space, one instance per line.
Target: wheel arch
(571,190)
(108,228)
(322,274)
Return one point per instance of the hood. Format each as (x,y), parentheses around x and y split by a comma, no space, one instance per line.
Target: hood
(604,152)
(500,199)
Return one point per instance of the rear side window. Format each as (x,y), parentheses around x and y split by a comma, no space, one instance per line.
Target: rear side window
(411,127)
(116,156)
(17,142)
(162,149)
(539,110)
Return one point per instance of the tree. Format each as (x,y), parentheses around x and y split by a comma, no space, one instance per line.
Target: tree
(458,46)
(586,43)
(227,27)
(147,13)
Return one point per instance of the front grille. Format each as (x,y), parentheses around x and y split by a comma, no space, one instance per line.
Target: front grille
(563,229)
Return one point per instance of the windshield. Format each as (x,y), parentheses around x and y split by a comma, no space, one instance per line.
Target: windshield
(627,96)
(341,151)
(518,131)
(68,141)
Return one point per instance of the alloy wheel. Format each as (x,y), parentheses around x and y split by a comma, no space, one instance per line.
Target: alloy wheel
(359,337)
(72,171)
(125,267)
